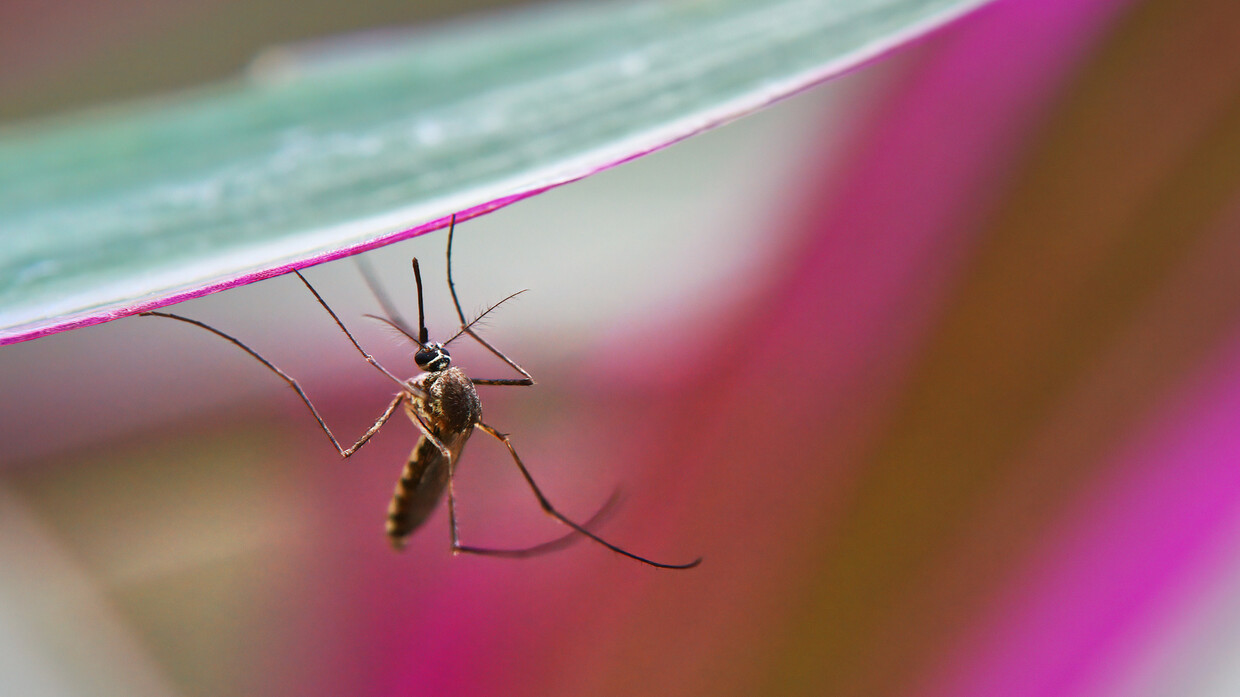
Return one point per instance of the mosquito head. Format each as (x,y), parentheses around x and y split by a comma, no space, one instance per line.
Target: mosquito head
(433,358)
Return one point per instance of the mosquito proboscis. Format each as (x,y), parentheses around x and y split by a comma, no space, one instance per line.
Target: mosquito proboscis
(442,401)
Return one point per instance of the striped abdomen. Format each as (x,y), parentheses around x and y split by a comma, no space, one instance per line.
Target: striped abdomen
(419,488)
(449,410)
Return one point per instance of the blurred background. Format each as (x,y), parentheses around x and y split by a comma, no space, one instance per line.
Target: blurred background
(937,365)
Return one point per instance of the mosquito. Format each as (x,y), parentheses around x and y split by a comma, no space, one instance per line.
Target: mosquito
(442,401)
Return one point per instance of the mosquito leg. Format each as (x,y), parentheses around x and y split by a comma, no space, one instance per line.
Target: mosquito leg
(452,286)
(377,425)
(551,510)
(426,431)
(468,329)
(369,358)
(558,543)
(525,381)
(292,383)
(456,536)
(520,383)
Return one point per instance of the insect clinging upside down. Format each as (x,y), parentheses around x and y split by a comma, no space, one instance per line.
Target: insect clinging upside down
(443,403)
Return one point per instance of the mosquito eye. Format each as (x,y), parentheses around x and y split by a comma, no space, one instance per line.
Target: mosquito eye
(434,359)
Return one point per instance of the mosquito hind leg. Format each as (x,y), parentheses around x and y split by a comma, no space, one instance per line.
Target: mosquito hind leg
(601,515)
(551,510)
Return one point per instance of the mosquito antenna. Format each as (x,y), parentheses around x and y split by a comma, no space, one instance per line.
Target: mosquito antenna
(423,336)
(372,282)
(477,319)
(451,286)
(398,327)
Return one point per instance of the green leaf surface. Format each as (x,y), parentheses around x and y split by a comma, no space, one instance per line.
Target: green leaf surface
(325,150)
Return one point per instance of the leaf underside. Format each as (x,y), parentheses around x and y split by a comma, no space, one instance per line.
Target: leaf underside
(323,151)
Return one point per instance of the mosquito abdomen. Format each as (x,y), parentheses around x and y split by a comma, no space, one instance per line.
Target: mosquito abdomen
(418,491)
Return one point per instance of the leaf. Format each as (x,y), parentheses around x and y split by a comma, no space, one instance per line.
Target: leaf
(324,151)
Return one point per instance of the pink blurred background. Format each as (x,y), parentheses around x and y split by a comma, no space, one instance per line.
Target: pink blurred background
(937,365)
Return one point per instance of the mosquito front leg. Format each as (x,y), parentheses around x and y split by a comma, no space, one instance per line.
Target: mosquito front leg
(291,383)
(369,358)
(551,510)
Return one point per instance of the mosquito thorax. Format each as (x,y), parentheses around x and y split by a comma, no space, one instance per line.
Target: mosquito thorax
(433,358)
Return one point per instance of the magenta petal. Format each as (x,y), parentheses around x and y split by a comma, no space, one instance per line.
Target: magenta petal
(1100,585)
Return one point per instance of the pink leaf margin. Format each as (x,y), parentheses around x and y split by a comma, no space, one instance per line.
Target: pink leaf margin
(634,148)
